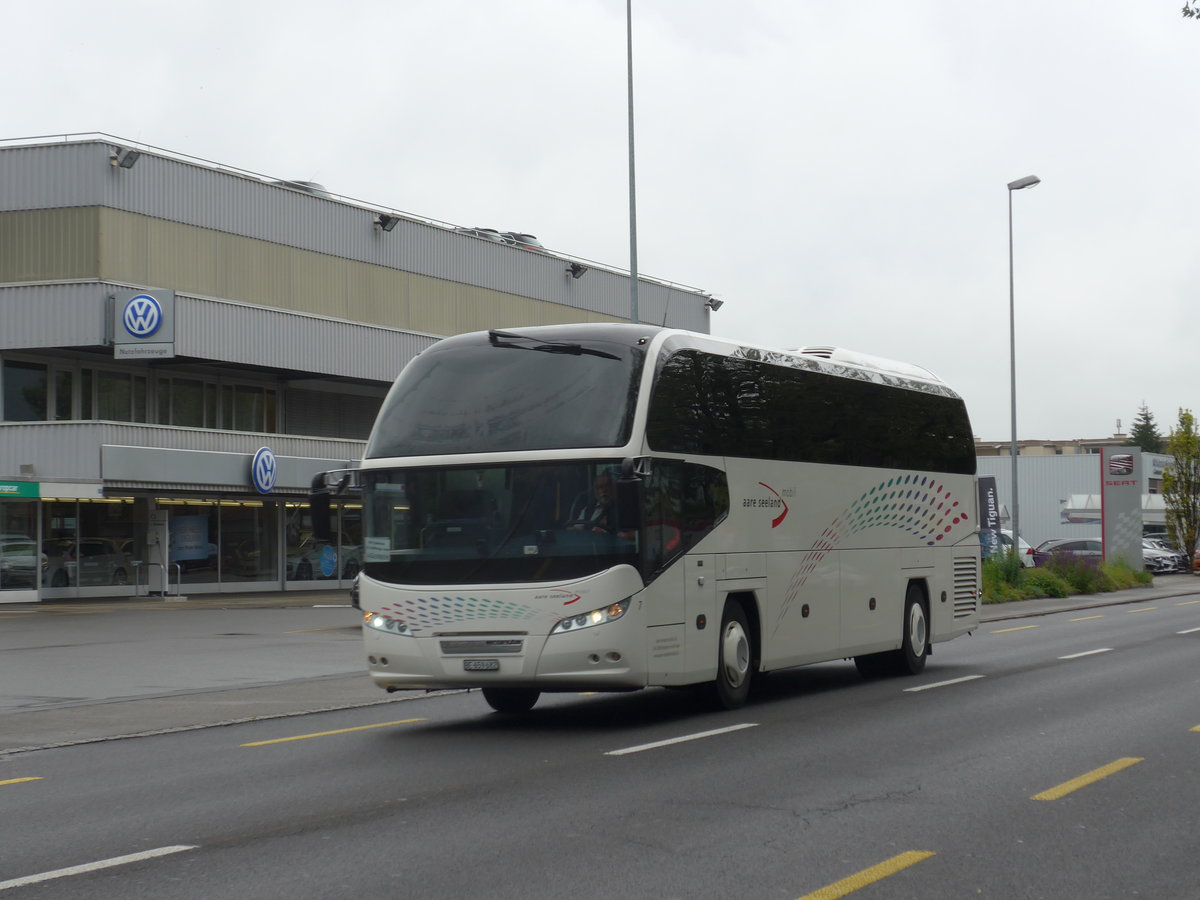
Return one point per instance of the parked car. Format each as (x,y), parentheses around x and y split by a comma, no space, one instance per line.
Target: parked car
(1087,549)
(1026,552)
(1160,559)
(19,560)
(84,562)
(313,559)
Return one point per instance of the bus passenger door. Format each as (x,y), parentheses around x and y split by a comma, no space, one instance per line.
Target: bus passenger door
(700,600)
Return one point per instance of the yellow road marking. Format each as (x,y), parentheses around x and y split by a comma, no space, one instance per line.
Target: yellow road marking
(1187,602)
(1018,628)
(19,780)
(304,737)
(1084,780)
(1143,609)
(1197,728)
(1085,618)
(868,876)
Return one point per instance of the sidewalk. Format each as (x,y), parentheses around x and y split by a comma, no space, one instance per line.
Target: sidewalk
(1163,586)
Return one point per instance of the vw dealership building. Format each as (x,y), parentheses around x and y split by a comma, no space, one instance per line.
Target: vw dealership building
(185,344)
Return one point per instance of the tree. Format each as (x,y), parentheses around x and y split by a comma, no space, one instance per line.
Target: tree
(1181,484)
(1145,432)
(1191,10)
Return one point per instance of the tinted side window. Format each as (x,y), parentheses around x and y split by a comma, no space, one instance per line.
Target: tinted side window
(722,406)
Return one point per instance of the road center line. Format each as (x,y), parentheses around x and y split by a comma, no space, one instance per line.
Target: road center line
(1187,602)
(1142,609)
(20,780)
(938,684)
(1087,653)
(679,740)
(304,737)
(868,876)
(1018,628)
(1090,778)
(1188,631)
(94,866)
(1085,618)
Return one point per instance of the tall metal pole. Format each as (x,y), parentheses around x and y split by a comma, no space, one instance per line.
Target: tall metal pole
(633,266)
(1020,184)
(1012,351)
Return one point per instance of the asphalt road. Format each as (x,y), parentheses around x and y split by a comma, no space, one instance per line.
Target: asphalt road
(824,786)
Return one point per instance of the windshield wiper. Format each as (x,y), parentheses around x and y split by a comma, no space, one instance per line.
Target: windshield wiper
(502,339)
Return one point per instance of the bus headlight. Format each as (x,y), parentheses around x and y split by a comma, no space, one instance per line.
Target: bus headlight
(380,622)
(596,617)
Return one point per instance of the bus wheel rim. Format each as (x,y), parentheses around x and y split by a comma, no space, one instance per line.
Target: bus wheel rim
(735,654)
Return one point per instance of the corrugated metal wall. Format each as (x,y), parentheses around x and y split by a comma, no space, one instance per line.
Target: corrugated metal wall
(1044,482)
(73,175)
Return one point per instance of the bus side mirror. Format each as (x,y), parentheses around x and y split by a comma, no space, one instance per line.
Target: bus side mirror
(318,508)
(629,498)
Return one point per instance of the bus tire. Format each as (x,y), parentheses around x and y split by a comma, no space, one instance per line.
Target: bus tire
(910,658)
(511,700)
(734,659)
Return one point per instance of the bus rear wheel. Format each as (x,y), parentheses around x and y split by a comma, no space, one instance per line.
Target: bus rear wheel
(734,659)
(910,658)
(511,700)
(914,643)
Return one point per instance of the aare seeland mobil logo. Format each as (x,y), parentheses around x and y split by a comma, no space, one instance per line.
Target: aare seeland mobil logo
(773,501)
(142,316)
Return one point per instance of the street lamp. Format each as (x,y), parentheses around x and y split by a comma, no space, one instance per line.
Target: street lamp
(1019,185)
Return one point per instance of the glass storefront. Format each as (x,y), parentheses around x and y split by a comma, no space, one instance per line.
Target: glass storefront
(18,546)
(308,559)
(112,546)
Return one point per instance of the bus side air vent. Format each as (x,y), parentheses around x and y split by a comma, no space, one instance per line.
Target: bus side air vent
(823,352)
(966,586)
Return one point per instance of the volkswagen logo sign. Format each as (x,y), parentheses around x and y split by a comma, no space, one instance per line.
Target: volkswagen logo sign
(143,316)
(262,470)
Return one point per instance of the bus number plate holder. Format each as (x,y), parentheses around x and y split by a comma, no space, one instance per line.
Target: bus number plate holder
(481,665)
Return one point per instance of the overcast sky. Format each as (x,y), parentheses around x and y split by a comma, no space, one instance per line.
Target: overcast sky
(834,171)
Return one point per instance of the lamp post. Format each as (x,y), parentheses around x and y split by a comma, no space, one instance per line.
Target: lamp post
(1019,185)
(633,261)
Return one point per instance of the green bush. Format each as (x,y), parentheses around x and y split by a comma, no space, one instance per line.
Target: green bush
(1004,579)
(1046,583)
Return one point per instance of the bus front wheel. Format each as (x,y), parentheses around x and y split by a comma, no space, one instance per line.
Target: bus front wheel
(511,700)
(734,659)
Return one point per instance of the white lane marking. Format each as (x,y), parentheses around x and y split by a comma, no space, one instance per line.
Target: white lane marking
(1087,653)
(1188,631)
(938,684)
(680,740)
(94,866)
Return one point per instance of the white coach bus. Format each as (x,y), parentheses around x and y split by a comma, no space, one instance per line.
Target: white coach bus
(764,509)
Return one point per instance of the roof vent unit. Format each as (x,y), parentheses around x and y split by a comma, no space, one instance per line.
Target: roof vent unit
(867,361)
(309,187)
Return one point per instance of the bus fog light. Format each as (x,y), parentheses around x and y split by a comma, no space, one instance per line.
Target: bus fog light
(600,616)
(612,656)
(381,622)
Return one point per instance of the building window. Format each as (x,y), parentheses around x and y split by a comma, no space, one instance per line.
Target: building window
(25,392)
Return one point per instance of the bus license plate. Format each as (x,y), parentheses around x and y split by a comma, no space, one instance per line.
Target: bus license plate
(481,665)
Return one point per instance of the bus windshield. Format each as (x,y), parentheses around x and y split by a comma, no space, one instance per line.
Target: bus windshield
(533,522)
(495,524)
(500,391)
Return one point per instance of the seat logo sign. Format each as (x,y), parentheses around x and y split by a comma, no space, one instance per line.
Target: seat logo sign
(143,316)
(263,470)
